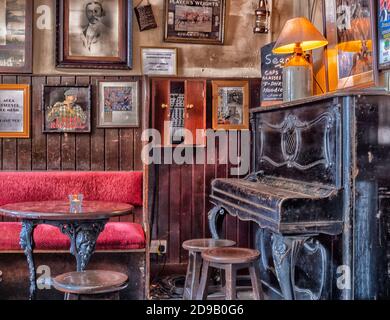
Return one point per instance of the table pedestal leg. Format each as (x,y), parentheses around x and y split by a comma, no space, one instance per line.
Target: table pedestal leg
(83,237)
(27,244)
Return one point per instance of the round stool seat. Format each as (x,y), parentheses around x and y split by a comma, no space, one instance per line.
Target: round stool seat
(200,245)
(230,255)
(90,282)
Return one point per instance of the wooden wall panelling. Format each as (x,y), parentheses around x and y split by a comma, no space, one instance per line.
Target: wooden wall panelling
(54,140)
(24,145)
(186,223)
(68,139)
(112,143)
(9,145)
(83,140)
(97,134)
(175,190)
(39,151)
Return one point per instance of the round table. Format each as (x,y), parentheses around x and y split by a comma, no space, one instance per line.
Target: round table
(82,228)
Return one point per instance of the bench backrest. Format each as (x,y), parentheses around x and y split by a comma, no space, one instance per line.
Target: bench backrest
(40,186)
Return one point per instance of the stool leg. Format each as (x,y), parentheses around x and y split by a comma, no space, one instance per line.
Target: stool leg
(257,290)
(203,287)
(197,264)
(189,276)
(231,282)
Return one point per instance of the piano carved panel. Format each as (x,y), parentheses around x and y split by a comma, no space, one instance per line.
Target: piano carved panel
(300,144)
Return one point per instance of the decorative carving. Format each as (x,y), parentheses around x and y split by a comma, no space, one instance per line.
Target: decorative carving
(83,237)
(27,244)
(216,216)
(291,139)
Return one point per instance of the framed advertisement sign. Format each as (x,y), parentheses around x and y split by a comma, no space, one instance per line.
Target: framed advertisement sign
(350,31)
(195,21)
(159,61)
(14,111)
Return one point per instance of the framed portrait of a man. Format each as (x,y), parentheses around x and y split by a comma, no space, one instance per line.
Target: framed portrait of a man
(94,34)
(16,36)
(66,109)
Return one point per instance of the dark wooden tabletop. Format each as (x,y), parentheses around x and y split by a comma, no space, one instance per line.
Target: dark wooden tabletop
(60,210)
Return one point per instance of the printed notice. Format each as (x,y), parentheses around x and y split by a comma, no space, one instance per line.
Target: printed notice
(159,62)
(11,111)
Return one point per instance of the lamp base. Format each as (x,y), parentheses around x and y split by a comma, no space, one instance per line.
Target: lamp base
(297,82)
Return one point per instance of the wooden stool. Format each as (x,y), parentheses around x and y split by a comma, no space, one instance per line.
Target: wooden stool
(91,285)
(195,249)
(231,260)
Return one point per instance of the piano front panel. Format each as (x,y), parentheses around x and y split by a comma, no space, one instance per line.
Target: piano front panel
(300,143)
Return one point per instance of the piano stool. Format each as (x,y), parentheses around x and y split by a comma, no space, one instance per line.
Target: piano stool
(230,260)
(195,248)
(91,285)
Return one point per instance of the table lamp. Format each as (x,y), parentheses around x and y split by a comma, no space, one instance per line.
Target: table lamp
(297,36)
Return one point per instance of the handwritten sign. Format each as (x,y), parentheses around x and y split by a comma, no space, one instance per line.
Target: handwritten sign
(11,111)
(272,75)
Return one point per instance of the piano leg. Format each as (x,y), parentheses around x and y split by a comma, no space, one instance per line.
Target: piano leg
(216,217)
(285,251)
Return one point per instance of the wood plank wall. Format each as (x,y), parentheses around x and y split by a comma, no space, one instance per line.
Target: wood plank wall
(182,202)
(102,150)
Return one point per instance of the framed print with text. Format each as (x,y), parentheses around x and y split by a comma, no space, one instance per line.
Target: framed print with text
(16,36)
(159,61)
(351,51)
(94,34)
(195,21)
(383,32)
(14,111)
(230,105)
(118,104)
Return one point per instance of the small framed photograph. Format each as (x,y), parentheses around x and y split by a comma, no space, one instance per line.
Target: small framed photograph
(119,104)
(14,111)
(200,22)
(159,61)
(16,36)
(383,30)
(230,105)
(94,34)
(66,109)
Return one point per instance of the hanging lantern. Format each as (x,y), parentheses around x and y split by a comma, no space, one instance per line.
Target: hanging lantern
(262,18)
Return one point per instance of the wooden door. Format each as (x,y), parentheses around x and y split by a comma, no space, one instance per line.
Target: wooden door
(195,109)
(161,88)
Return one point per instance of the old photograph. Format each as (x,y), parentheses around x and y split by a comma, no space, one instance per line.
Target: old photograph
(193,19)
(66,109)
(93,28)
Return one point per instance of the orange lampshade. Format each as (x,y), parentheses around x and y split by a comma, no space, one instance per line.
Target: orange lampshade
(299,31)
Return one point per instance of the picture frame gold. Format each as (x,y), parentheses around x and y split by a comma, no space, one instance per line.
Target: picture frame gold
(230,101)
(9,112)
(159,73)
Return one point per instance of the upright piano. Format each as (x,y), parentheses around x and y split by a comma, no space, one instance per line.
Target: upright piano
(319,194)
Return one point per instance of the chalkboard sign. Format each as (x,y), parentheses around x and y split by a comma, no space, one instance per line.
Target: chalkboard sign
(272,75)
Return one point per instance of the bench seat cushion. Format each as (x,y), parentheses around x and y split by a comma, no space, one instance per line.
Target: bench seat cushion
(116,236)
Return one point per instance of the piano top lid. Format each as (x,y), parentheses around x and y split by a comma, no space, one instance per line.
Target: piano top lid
(375,91)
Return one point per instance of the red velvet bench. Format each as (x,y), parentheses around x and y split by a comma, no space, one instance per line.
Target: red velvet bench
(117,246)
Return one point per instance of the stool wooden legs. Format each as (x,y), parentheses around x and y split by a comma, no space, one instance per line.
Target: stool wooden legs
(231,280)
(193,276)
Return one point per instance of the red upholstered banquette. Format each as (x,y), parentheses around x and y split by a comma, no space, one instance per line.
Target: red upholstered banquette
(105,186)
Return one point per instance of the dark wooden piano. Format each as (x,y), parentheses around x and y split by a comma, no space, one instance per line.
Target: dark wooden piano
(319,194)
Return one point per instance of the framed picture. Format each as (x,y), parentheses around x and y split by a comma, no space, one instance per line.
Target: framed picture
(94,34)
(350,31)
(14,111)
(195,21)
(16,36)
(159,61)
(119,104)
(66,109)
(382,9)
(230,105)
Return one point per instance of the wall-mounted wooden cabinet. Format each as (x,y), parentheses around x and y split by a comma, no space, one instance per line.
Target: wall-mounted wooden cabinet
(179,104)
